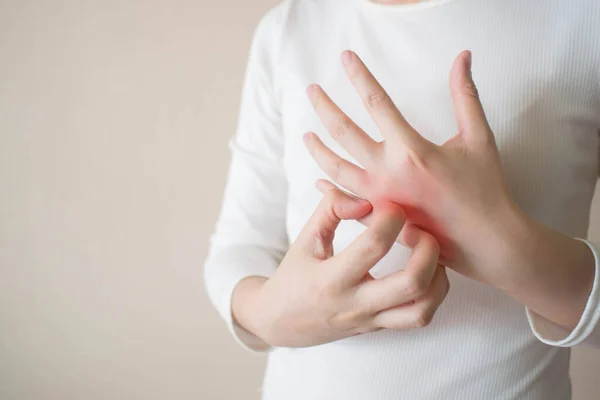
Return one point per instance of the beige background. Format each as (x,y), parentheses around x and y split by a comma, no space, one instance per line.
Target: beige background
(114,117)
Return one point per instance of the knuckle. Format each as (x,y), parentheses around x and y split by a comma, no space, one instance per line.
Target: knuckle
(375,244)
(340,128)
(423,318)
(333,197)
(317,247)
(470,90)
(325,211)
(416,286)
(377,98)
(430,241)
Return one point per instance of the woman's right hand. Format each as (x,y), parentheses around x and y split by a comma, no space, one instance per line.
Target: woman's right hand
(315,297)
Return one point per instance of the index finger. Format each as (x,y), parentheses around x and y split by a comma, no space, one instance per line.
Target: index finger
(316,237)
(407,230)
(372,245)
(406,284)
(379,105)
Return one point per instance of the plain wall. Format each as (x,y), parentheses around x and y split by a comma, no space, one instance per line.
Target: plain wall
(114,119)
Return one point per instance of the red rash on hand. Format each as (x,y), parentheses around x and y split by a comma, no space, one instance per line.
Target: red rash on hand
(418,218)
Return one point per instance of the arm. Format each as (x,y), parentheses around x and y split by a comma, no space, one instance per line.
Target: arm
(578,292)
(562,293)
(250,238)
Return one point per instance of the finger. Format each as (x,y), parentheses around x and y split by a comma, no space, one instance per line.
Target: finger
(470,116)
(379,105)
(408,234)
(419,313)
(338,169)
(316,237)
(345,131)
(323,185)
(372,245)
(405,285)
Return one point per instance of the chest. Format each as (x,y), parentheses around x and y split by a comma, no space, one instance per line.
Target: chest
(541,102)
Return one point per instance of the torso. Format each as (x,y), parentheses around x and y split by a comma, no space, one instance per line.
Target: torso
(536,65)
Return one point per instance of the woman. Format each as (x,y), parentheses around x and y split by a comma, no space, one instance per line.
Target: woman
(494,203)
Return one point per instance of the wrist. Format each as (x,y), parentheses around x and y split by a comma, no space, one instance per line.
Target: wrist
(509,242)
(547,271)
(244,307)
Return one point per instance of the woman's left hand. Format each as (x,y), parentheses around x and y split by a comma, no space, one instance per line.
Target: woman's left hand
(455,191)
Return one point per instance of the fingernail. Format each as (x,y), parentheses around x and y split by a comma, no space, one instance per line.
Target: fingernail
(311,88)
(319,186)
(346,57)
(307,137)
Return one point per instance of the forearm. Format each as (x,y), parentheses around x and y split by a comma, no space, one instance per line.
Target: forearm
(557,271)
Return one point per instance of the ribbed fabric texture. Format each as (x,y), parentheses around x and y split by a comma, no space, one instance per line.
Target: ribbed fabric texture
(536,64)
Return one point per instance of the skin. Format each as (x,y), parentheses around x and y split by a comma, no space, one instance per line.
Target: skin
(450,203)
(458,192)
(315,297)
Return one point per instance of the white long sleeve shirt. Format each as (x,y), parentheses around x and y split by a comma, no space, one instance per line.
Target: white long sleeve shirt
(537,67)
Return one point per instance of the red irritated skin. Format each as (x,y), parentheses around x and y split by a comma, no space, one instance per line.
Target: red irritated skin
(383,196)
(456,191)
(380,195)
(413,216)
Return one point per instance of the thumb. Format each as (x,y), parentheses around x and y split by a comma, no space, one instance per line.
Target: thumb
(324,186)
(317,236)
(470,116)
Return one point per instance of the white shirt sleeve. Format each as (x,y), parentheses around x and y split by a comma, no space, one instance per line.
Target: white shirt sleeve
(250,236)
(587,331)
